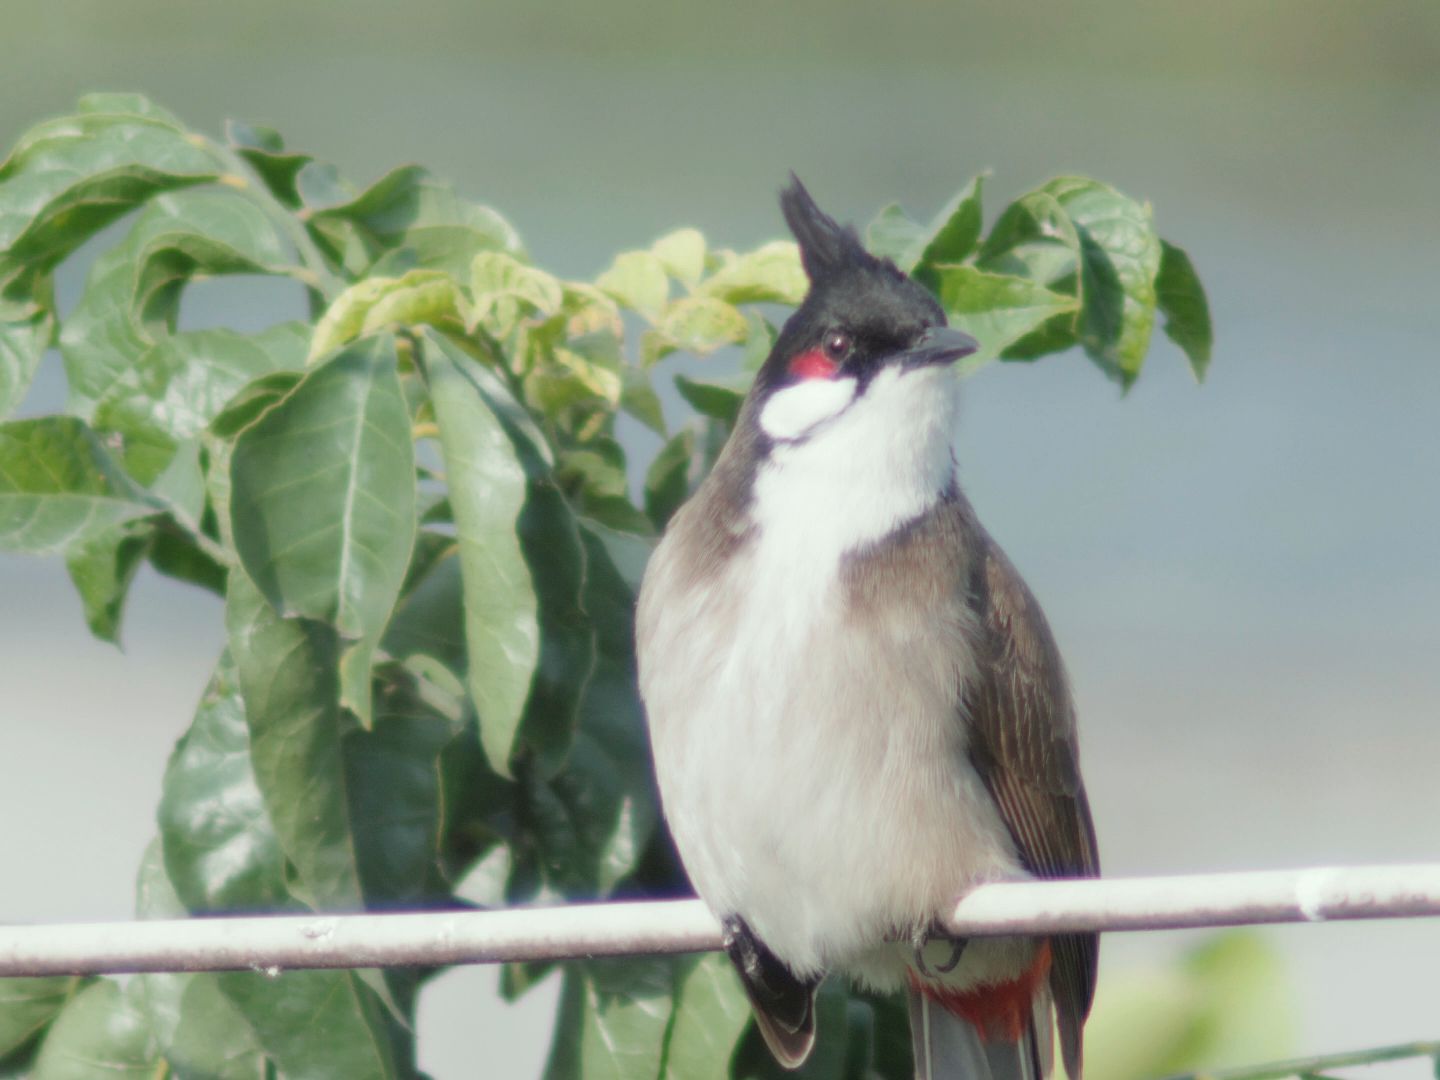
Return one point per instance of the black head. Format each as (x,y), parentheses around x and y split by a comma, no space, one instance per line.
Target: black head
(860,314)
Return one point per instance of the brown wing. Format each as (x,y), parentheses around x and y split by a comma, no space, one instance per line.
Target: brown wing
(1023,745)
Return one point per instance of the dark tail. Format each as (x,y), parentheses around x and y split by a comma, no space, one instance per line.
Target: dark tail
(949,1047)
(784,1004)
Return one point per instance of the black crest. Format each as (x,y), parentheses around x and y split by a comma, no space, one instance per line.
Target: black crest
(826,247)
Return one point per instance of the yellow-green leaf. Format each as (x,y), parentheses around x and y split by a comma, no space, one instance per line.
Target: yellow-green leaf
(638,280)
(420,296)
(769,274)
(682,253)
(698,324)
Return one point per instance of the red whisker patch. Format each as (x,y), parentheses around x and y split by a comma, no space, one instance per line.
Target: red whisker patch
(997,1010)
(813,364)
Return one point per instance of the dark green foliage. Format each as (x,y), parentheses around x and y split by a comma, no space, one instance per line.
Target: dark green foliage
(420,519)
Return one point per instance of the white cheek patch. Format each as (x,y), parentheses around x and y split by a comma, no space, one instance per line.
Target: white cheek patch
(791,412)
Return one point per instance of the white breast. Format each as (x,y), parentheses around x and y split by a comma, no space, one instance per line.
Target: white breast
(812,766)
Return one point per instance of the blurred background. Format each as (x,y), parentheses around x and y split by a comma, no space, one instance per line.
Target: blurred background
(1242,575)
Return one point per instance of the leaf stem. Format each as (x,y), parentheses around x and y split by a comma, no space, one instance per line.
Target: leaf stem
(240,177)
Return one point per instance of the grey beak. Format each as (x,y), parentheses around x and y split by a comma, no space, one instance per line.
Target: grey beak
(940,345)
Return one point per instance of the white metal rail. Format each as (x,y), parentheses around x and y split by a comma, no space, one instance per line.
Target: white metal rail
(272,943)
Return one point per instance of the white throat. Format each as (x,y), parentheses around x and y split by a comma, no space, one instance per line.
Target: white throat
(879,461)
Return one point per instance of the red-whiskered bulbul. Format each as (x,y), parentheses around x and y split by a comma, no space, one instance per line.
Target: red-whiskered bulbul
(856,707)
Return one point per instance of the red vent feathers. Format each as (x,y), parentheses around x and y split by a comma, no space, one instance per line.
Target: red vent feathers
(998,1010)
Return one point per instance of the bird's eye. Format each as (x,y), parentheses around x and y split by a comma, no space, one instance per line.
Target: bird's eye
(836,345)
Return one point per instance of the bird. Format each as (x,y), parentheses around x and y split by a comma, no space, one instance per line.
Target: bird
(856,707)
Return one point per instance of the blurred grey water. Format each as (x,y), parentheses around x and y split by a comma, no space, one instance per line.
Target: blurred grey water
(1241,575)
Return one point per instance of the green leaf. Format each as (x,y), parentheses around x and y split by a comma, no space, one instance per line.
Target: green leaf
(894,235)
(890,1048)
(393,780)
(421,296)
(406,208)
(504,289)
(181,487)
(1120,259)
(637,279)
(27,328)
(264,150)
(638,398)
(68,178)
(573,391)
(1084,237)
(430,620)
(682,254)
(101,1032)
(1035,238)
(488,488)
(27,1006)
(594,479)
(832,1057)
(710,1015)
(213,1039)
(177,386)
(59,485)
(771,274)
(158,994)
(607,783)
(155,896)
(589,312)
(102,565)
(550,537)
(598,380)
(668,482)
(919,250)
(253,401)
(716,399)
(998,310)
(952,236)
(320,1025)
(759,342)
(377,303)
(1187,312)
(288,671)
(221,850)
(199,1031)
(698,324)
(449,249)
(322,501)
(614,1015)
(320,186)
(584,831)
(132,294)
(550,545)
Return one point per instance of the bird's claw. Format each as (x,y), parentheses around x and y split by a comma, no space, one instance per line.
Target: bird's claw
(923,937)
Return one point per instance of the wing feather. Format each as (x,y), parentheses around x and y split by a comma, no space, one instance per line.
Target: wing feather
(1023,744)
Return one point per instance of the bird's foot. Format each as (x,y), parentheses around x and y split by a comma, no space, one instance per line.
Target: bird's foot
(923,937)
